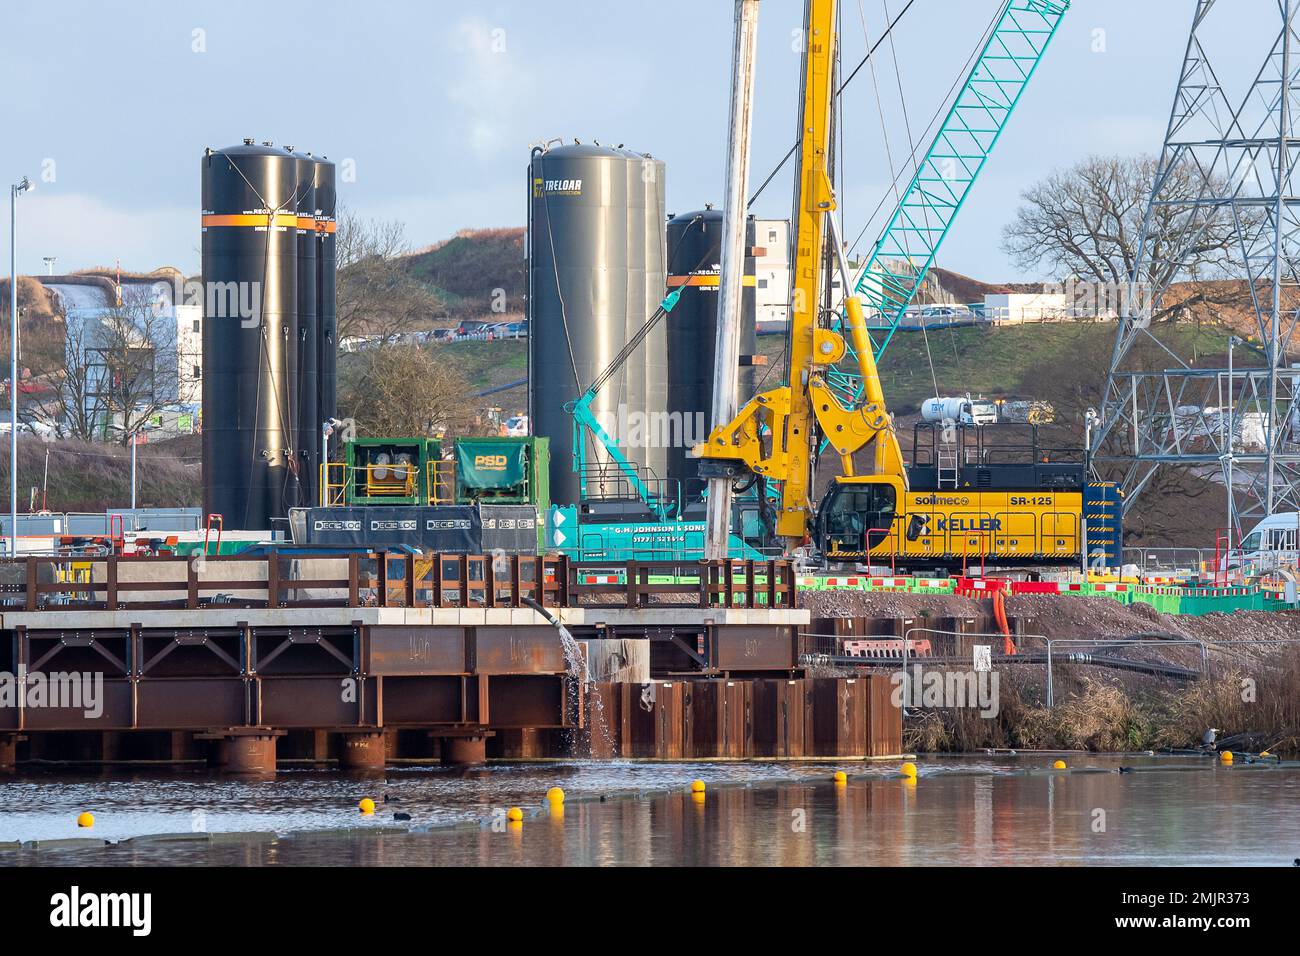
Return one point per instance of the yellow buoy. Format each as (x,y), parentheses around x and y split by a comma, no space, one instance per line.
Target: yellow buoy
(1225,757)
(1059,765)
(909,770)
(841,776)
(515,815)
(697,798)
(85,819)
(697,786)
(555,795)
(366,806)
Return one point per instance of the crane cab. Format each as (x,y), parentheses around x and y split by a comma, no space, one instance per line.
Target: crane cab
(857,514)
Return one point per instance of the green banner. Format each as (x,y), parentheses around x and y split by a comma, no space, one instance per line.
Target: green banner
(483,464)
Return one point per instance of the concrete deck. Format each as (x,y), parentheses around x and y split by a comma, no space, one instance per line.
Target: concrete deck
(220,616)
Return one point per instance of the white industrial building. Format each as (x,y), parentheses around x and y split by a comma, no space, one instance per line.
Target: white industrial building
(1014,307)
(772,274)
(102,317)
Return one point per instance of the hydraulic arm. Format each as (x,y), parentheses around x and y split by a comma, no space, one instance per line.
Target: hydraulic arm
(584,420)
(775,433)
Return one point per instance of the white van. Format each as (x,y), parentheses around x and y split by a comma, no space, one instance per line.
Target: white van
(1272,543)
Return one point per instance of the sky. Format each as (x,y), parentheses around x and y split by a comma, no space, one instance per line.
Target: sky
(434,105)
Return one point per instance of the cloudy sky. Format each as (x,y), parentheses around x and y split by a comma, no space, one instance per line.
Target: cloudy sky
(110,104)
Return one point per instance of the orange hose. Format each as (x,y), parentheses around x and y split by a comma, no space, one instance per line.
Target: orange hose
(1000,615)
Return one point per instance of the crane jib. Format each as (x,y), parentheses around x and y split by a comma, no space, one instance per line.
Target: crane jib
(901,258)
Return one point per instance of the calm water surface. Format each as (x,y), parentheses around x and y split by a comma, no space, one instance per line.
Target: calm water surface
(962,811)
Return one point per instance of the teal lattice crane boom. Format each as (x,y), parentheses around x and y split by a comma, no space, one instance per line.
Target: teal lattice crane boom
(902,257)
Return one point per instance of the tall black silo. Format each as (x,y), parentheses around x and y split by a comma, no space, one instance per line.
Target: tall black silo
(326,296)
(249,256)
(694,257)
(304,355)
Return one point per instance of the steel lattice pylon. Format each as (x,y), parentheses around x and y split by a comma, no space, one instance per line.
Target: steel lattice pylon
(1227,171)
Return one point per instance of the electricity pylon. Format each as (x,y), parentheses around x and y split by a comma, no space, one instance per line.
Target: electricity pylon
(1225,185)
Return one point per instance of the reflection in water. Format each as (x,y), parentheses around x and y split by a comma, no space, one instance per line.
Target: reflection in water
(961,812)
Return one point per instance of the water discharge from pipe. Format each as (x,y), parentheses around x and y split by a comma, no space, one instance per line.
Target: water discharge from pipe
(575,662)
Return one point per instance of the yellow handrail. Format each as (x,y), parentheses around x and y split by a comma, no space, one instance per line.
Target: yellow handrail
(337,478)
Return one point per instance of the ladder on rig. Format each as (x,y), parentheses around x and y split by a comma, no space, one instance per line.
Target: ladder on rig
(946,466)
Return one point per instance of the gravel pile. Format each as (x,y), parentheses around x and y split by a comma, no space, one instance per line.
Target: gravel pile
(1246,625)
(1075,616)
(889,604)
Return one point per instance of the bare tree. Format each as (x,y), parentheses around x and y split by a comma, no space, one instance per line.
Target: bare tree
(40,344)
(378,298)
(400,391)
(120,368)
(1087,222)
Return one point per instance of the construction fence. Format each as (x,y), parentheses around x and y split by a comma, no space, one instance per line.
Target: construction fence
(1166,598)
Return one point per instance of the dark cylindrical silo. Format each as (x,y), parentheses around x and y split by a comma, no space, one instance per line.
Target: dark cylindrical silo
(326,299)
(694,256)
(251,289)
(305,338)
(588,288)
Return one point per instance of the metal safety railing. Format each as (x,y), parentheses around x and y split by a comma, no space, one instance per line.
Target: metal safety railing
(275,580)
(890,540)
(954,644)
(342,484)
(638,584)
(1161,561)
(1102,643)
(982,540)
(283,581)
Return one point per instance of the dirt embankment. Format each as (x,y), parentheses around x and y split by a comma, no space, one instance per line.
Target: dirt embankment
(90,477)
(888,604)
(1061,616)
(1249,686)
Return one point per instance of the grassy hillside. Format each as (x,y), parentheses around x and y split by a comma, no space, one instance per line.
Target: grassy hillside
(1063,363)
(1057,363)
(466,271)
(94,477)
(487,364)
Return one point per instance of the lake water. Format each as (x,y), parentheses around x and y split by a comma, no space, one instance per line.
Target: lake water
(973,810)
